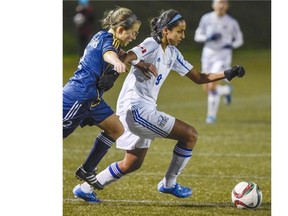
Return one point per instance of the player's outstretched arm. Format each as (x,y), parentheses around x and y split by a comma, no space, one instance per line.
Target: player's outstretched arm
(229,74)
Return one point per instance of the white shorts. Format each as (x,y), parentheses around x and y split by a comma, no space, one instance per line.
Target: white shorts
(214,62)
(143,123)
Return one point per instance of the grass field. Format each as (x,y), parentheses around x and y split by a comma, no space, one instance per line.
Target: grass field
(236,148)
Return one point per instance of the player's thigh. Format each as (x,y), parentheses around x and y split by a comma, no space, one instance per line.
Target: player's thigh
(210,86)
(112,126)
(104,117)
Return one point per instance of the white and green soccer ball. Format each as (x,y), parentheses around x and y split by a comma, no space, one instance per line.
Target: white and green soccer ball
(246,195)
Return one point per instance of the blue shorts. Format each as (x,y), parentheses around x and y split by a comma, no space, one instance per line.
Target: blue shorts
(83,113)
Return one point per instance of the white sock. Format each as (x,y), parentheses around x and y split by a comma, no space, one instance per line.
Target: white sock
(223,89)
(110,174)
(213,103)
(86,188)
(179,160)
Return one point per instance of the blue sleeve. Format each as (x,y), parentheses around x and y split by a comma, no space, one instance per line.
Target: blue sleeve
(108,44)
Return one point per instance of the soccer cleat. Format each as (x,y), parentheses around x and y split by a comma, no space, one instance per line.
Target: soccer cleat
(210,120)
(177,190)
(88,197)
(228,98)
(89,177)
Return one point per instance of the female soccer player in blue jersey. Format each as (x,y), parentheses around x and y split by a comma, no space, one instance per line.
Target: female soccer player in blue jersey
(82,95)
(137,107)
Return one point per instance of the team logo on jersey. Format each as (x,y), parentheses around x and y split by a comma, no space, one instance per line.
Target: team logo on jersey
(67,124)
(162,120)
(143,49)
(159,59)
(93,43)
(169,63)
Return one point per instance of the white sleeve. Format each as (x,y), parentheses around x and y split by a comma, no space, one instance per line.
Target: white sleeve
(237,36)
(144,48)
(181,66)
(200,33)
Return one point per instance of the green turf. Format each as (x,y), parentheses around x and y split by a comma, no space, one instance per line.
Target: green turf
(236,148)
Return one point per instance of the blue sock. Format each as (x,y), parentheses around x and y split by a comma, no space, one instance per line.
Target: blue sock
(101,145)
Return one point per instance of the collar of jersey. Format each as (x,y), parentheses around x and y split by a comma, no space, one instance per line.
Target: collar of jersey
(116,42)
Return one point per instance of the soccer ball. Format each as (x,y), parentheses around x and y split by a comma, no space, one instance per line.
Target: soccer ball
(246,195)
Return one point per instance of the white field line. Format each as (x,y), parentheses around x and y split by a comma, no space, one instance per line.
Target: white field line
(162,202)
(207,176)
(207,154)
(157,174)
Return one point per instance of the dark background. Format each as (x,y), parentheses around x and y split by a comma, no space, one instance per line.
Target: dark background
(254,18)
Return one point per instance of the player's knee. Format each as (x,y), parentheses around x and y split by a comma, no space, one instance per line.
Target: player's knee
(119,132)
(115,132)
(192,136)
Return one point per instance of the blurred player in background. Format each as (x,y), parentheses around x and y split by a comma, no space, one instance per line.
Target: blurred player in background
(82,95)
(84,20)
(137,106)
(220,34)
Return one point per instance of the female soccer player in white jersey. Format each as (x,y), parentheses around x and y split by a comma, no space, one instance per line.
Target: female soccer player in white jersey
(220,33)
(137,106)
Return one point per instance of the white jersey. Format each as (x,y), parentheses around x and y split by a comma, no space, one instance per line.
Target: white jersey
(214,51)
(137,87)
(137,101)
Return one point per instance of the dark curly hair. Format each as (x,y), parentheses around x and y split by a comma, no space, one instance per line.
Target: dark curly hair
(169,19)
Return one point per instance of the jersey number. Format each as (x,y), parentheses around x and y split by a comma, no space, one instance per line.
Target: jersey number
(158,79)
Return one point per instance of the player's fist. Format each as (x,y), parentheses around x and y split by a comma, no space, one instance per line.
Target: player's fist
(237,70)
(106,81)
(214,37)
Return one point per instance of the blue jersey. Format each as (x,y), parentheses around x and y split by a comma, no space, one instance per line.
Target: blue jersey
(82,101)
(92,66)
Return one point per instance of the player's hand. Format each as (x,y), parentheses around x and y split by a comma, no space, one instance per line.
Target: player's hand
(147,69)
(106,81)
(120,67)
(227,46)
(214,37)
(237,70)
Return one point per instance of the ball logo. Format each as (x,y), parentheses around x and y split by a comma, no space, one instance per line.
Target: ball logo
(246,195)
(247,190)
